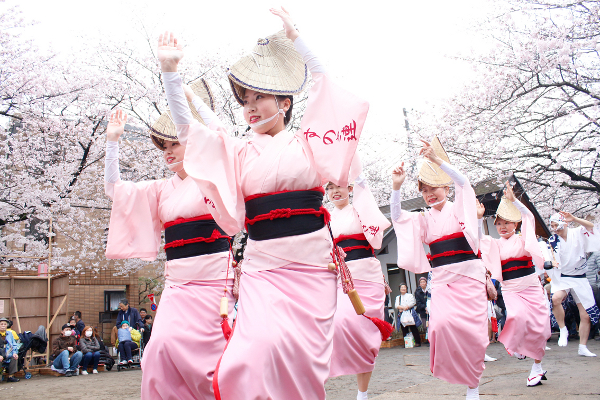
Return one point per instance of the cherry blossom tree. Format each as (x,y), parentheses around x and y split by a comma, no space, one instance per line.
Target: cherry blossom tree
(533,106)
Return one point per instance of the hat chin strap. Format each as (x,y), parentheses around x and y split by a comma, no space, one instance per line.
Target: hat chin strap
(265,121)
(176,166)
(436,203)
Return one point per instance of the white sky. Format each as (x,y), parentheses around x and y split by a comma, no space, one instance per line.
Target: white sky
(393,55)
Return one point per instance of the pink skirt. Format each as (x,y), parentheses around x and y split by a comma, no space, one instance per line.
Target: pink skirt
(282,339)
(356,340)
(527,326)
(458,331)
(186,343)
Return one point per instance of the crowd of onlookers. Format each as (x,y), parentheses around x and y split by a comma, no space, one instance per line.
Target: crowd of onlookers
(79,346)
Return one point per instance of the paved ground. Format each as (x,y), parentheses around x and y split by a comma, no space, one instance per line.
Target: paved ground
(400,374)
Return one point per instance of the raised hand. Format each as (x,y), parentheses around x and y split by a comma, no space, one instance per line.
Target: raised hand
(116,125)
(288,23)
(398,176)
(508,192)
(169,53)
(427,152)
(567,216)
(480,209)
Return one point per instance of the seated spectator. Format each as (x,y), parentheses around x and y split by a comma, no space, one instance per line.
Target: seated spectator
(65,350)
(79,324)
(127,338)
(129,314)
(74,331)
(147,329)
(90,348)
(406,302)
(8,350)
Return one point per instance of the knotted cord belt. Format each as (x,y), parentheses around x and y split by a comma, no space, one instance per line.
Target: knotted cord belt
(191,237)
(451,249)
(355,246)
(517,267)
(285,213)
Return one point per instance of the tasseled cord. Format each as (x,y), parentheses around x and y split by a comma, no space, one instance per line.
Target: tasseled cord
(385,328)
(224,309)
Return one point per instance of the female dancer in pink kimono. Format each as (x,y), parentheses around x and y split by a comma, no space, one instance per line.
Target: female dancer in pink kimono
(282,340)
(187,341)
(458,315)
(358,229)
(512,259)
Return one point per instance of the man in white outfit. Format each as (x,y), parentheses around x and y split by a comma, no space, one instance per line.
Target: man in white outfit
(570,247)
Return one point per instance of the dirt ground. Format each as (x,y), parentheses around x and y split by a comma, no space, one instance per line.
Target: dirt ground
(399,374)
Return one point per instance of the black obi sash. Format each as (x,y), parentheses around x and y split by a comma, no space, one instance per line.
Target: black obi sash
(517,268)
(450,249)
(194,237)
(355,246)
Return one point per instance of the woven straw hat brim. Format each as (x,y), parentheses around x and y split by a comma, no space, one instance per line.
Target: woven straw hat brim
(431,174)
(508,211)
(164,127)
(274,66)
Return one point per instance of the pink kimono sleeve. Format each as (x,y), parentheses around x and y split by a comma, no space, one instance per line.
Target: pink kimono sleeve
(212,159)
(466,212)
(410,235)
(332,124)
(530,240)
(135,227)
(373,222)
(490,254)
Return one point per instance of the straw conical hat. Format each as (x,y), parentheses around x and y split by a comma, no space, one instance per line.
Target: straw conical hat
(508,211)
(431,174)
(274,66)
(164,128)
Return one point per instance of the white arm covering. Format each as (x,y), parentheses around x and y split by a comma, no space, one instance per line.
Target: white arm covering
(111,163)
(456,175)
(395,205)
(208,115)
(310,59)
(480,226)
(178,104)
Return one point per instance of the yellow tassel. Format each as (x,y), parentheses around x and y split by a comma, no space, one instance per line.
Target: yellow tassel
(224,307)
(356,302)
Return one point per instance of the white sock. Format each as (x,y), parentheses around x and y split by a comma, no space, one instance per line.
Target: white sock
(564,331)
(362,395)
(536,369)
(582,346)
(473,393)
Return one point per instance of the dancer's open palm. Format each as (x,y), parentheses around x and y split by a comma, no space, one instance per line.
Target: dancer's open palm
(116,125)
(170,52)
(288,23)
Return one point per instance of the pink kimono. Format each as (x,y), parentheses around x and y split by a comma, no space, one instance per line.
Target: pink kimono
(527,326)
(187,340)
(282,339)
(356,340)
(458,316)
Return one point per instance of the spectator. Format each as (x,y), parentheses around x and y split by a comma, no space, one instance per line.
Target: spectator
(406,302)
(421,298)
(8,350)
(79,325)
(593,275)
(129,314)
(125,342)
(143,313)
(66,352)
(90,348)
(74,331)
(147,329)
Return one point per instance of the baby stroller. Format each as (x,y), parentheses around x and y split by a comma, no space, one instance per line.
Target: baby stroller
(136,357)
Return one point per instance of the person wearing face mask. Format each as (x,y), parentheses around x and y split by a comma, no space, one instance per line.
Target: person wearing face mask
(458,314)
(90,348)
(513,260)
(272,185)
(9,353)
(66,351)
(569,248)
(198,274)
(421,298)
(357,228)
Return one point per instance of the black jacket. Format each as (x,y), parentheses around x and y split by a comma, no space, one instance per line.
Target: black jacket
(421,298)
